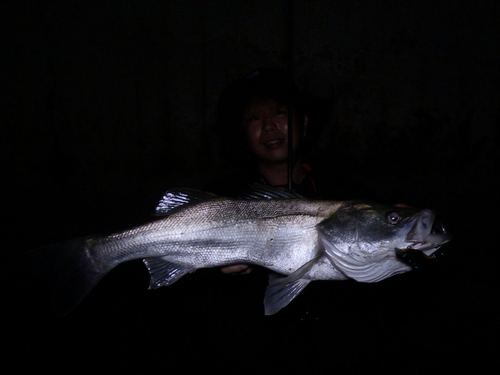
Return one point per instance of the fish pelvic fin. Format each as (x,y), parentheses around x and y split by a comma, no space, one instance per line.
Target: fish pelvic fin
(283,289)
(164,273)
(68,270)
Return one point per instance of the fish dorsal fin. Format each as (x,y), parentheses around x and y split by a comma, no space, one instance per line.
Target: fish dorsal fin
(164,273)
(259,191)
(179,197)
(283,289)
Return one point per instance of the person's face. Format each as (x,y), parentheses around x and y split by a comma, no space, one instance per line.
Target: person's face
(265,123)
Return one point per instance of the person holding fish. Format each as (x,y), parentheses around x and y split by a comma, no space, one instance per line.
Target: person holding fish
(253,115)
(298,240)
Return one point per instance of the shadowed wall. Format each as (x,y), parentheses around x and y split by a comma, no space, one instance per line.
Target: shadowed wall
(110,97)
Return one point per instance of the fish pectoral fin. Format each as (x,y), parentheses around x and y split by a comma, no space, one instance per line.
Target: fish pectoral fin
(164,273)
(283,289)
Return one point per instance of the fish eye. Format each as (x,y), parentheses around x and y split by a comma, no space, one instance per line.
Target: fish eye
(393,218)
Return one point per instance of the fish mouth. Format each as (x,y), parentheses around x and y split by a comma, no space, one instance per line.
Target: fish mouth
(425,236)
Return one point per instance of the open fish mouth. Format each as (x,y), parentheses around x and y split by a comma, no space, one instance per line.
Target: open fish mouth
(425,238)
(426,234)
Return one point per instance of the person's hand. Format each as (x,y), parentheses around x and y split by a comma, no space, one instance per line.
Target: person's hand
(237,269)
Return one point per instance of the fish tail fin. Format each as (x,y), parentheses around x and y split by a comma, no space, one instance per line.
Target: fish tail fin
(67,270)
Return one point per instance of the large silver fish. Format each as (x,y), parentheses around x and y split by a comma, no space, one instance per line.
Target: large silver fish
(300,240)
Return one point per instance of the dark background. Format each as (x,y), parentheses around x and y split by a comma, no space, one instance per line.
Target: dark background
(107,104)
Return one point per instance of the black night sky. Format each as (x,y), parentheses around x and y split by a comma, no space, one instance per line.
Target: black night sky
(105,105)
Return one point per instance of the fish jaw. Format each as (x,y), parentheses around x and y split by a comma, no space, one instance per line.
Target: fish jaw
(426,234)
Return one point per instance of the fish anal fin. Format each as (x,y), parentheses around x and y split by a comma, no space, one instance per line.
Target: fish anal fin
(283,289)
(164,273)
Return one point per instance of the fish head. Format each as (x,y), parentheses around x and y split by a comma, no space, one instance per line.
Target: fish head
(368,242)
